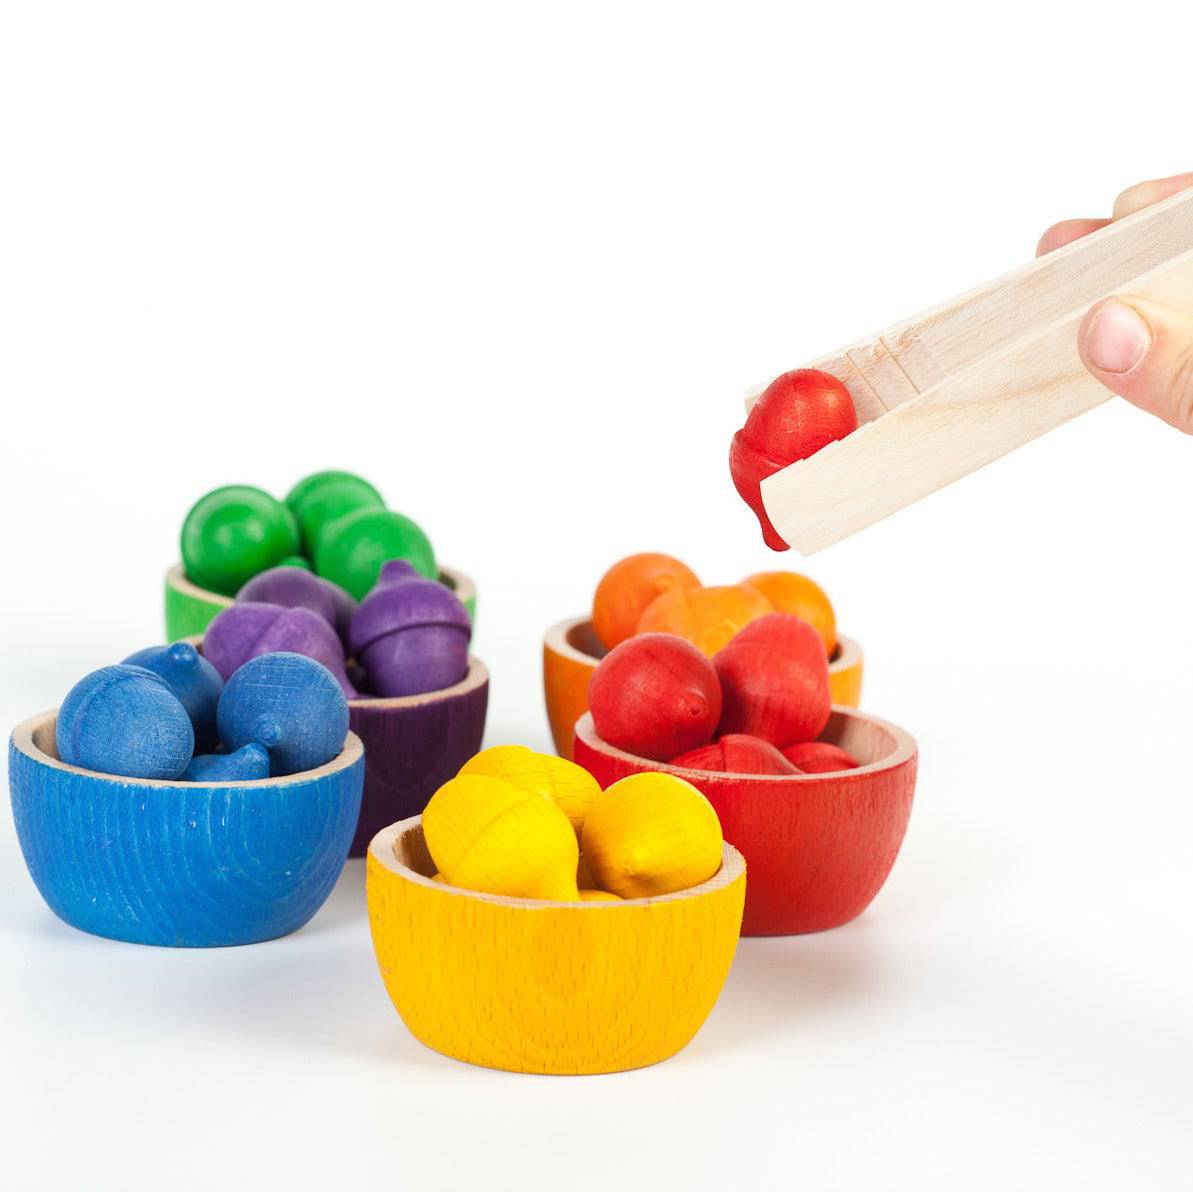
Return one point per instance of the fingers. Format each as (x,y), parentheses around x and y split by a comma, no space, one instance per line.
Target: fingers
(1066,232)
(1144,352)
(1135,198)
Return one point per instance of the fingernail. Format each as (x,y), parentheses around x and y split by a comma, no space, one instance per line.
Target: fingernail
(1116,337)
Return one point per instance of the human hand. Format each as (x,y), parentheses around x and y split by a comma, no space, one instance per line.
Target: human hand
(1141,350)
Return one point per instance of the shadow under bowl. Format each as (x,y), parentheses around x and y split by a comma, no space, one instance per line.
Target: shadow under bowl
(562,988)
(818,847)
(190,609)
(571,652)
(180,864)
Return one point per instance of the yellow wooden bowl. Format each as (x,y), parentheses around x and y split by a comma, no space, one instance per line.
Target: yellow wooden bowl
(571,652)
(565,988)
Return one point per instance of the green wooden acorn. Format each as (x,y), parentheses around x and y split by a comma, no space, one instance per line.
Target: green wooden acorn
(233,533)
(352,550)
(324,497)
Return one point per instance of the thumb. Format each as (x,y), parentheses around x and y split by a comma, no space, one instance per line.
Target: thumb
(1143,351)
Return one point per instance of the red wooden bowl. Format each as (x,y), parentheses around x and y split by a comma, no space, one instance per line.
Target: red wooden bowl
(818,847)
(571,652)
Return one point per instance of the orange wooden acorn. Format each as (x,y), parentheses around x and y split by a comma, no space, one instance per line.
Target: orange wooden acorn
(774,681)
(798,414)
(628,587)
(706,617)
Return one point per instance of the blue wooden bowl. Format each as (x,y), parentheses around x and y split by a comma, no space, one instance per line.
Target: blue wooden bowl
(181,864)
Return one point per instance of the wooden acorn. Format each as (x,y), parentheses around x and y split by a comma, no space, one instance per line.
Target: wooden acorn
(655,696)
(706,617)
(249,763)
(232,533)
(486,834)
(628,587)
(651,834)
(324,497)
(819,757)
(798,414)
(411,634)
(250,630)
(193,679)
(291,705)
(124,720)
(570,787)
(293,588)
(774,680)
(352,549)
(737,753)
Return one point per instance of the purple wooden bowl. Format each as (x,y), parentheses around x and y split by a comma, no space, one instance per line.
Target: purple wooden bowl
(413,745)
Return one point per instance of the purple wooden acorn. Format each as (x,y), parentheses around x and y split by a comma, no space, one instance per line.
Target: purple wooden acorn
(292,587)
(249,630)
(411,634)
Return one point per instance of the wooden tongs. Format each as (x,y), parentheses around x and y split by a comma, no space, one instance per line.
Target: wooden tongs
(951,390)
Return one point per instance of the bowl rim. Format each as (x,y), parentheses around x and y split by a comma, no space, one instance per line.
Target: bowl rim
(462,585)
(22,739)
(382,850)
(848,652)
(905,749)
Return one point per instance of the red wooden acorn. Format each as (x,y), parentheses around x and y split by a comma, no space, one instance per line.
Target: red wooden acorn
(819,757)
(737,753)
(655,696)
(798,414)
(774,681)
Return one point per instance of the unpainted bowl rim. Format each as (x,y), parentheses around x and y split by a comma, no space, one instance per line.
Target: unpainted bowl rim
(905,750)
(463,585)
(383,848)
(22,740)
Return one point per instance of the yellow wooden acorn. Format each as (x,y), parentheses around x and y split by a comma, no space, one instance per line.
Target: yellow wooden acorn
(598,896)
(488,835)
(651,834)
(571,786)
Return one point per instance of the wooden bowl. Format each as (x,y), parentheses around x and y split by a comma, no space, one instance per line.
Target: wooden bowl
(818,847)
(413,745)
(550,987)
(571,652)
(181,864)
(190,609)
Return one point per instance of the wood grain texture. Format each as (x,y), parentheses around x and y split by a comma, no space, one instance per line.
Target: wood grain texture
(818,847)
(571,652)
(561,988)
(190,609)
(413,745)
(180,864)
(955,388)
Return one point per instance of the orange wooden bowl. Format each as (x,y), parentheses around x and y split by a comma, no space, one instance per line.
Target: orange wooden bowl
(571,652)
(818,847)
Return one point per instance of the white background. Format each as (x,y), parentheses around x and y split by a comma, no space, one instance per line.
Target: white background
(517,264)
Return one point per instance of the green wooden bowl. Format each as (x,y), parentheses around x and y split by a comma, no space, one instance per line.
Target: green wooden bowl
(190,609)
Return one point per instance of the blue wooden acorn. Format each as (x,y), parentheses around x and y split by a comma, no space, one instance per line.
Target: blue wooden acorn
(193,679)
(246,764)
(290,704)
(125,720)
(410,634)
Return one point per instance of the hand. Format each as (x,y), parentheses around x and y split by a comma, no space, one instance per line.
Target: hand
(1141,350)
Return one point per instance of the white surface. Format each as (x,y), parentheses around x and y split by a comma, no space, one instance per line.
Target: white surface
(518,264)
